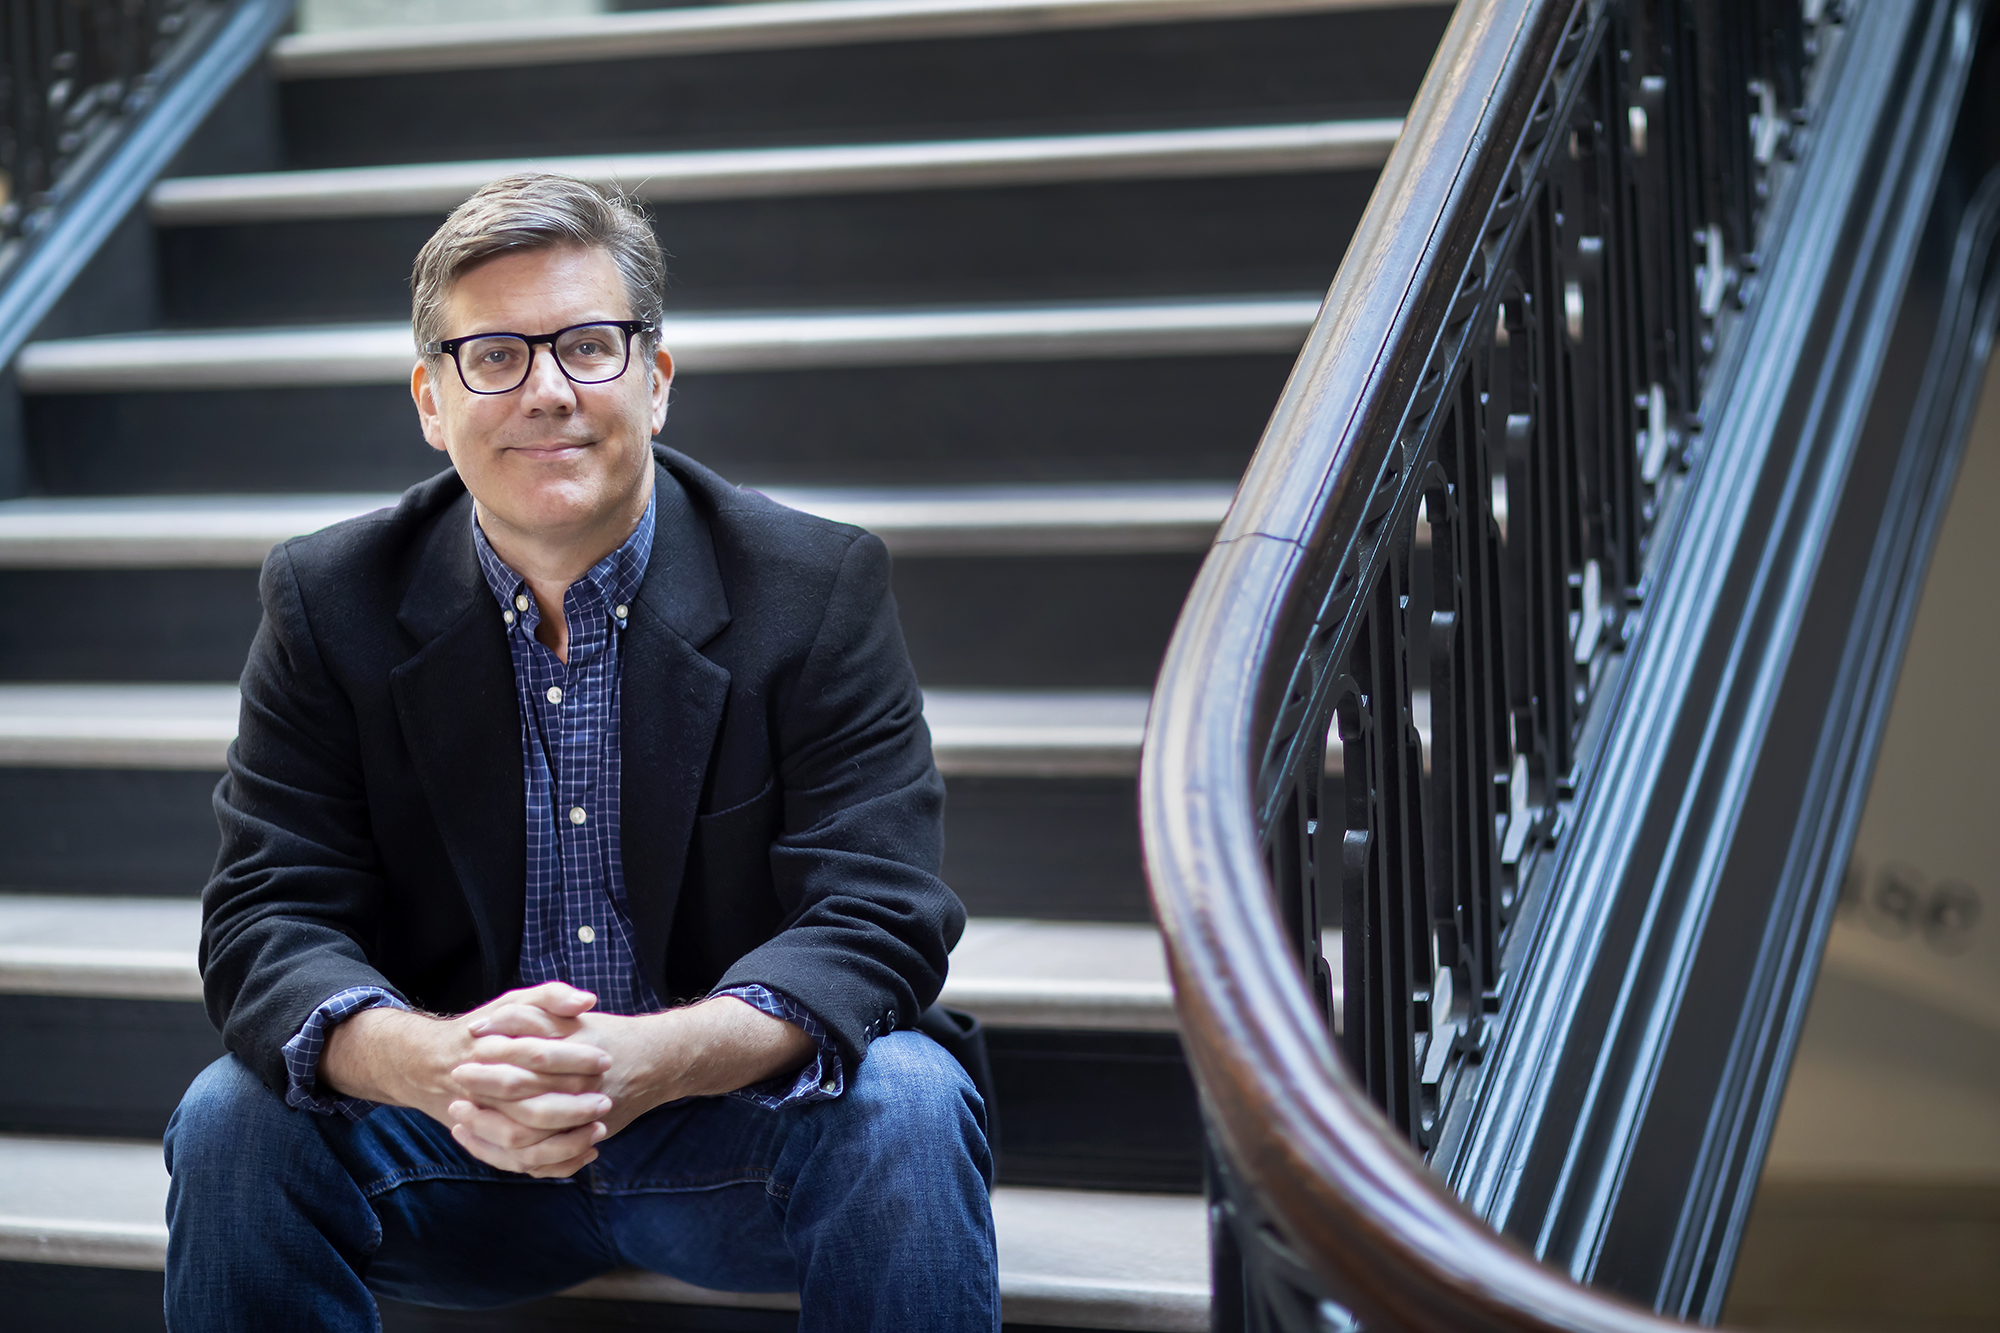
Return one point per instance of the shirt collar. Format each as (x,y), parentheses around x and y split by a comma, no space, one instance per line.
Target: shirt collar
(611,583)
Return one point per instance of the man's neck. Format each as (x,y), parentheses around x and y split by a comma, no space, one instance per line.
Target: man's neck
(549,563)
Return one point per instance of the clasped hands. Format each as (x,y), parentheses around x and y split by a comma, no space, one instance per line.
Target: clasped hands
(540,1091)
(534,1079)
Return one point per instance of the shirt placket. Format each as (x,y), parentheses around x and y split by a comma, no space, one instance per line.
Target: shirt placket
(579,824)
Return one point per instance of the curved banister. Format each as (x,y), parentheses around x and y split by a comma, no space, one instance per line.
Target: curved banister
(1337,1180)
(1326,1189)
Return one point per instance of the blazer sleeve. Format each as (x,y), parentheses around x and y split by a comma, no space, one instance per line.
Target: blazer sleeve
(869,925)
(297,885)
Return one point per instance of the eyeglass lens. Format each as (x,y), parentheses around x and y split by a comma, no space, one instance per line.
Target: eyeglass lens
(499,362)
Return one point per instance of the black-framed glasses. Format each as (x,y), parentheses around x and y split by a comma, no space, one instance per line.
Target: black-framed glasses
(499,362)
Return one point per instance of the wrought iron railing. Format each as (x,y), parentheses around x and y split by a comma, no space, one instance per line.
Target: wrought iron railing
(1388,698)
(1434,722)
(72,72)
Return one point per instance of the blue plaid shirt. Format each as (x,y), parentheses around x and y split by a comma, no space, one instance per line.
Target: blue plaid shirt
(576,927)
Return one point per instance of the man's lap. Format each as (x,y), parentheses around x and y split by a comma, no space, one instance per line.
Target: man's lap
(698,1190)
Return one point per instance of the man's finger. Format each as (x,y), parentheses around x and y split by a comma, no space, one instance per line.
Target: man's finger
(552,1158)
(488,1083)
(541,1114)
(556,1110)
(523,1020)
(542,1055)
(558,997)
(491,1125)
(530,1147)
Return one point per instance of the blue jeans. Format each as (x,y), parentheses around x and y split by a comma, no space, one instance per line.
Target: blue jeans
(873,1206)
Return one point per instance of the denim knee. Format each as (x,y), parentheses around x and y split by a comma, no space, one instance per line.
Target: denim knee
(908,1090)
(227,1116)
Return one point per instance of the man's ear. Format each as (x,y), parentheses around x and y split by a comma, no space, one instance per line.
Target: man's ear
(663,381)
(423,391)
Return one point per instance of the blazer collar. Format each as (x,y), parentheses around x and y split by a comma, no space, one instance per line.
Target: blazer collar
(447,583)
(673,702)
(682,586)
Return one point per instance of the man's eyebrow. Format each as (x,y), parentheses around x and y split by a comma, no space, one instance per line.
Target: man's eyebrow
(495,328)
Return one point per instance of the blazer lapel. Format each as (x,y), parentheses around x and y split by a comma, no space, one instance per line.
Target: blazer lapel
(672,705)
(461,718)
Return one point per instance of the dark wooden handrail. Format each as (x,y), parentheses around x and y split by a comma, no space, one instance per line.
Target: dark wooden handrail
(1331,1188)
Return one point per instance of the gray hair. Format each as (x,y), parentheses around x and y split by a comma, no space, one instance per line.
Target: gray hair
(538,211)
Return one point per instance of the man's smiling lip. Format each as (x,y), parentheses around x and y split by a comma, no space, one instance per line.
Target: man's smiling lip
(552,450)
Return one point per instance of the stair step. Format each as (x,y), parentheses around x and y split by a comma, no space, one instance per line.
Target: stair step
(1081,976)
(740,27)
(701,343)
(238,531)
(438,187)
(1067,1257)
(973,733)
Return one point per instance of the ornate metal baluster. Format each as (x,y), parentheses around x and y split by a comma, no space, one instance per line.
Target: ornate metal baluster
(70,70)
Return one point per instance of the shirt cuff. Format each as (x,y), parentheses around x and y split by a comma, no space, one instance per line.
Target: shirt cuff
(303,1051)
(820,1079)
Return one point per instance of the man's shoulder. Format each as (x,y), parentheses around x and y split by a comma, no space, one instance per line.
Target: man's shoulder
(747,524)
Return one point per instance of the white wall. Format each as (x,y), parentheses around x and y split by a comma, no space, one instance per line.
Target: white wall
(1898,1074)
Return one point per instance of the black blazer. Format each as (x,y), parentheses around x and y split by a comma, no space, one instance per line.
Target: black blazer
(781,817)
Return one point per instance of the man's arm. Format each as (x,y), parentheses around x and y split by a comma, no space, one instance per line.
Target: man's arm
(297,883)
(869,924)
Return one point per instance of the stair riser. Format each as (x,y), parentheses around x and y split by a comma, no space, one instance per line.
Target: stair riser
(1079,1109)
(113,1068)
(1059,849)
(1115,239)
(55,1298)
(1320,66)
(1152,418)
(127,624)
(1085,621)
(106,830)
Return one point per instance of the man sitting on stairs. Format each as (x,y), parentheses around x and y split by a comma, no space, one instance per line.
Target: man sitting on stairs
(573,734)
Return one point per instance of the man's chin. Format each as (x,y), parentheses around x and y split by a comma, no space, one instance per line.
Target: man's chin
(555,507)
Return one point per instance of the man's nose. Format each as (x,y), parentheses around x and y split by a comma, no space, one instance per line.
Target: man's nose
(546,386)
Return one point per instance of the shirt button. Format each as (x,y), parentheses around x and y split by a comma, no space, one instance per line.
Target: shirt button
(520,601)
(620,611)
(576,815)
(829,1084)
(555,694)
(507,617)
(586,934)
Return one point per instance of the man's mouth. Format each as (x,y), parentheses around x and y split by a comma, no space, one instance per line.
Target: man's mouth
(553,448)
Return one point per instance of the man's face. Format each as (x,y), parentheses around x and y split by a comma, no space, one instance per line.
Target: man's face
(552,460)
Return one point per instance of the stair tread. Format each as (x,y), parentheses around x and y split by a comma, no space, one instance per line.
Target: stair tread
(415,188)
(1066,1256)
(238,531)
(702,343)
(735,27)
(170,726)
(1014,973)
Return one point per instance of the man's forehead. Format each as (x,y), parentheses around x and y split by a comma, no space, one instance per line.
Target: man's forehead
(544,282)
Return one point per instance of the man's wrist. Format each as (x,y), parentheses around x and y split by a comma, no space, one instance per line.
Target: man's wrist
(722,1044)
(385,1055)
